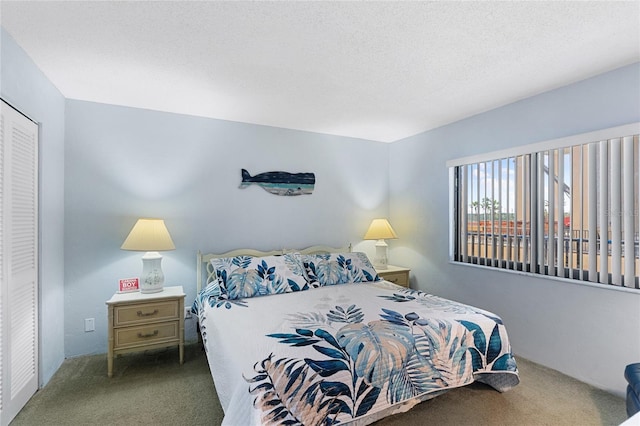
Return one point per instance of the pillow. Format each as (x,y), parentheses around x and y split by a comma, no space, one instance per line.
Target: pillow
(248,276)
(339,268)
(212,290)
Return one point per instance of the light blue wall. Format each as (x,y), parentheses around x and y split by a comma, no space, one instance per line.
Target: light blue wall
(588,333)
(125,163)
(24,86)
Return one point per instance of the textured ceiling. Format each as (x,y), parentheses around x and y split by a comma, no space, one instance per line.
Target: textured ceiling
(374,70)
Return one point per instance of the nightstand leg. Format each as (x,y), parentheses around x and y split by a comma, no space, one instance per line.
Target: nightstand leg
(181,331)
(110,365)
(110,342)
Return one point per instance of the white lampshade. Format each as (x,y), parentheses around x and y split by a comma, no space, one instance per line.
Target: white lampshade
(152,236)
(380,229)
(148,235)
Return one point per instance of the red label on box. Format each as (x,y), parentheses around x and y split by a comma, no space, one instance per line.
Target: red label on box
(129,284)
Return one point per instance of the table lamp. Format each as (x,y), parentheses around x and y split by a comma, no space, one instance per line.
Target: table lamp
(380,229)
(150,235)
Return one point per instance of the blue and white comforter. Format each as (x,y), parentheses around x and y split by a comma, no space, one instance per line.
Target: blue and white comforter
(350,353)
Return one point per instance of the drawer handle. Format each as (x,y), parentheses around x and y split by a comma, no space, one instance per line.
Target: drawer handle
(155,333)
(395,280)
(148,314)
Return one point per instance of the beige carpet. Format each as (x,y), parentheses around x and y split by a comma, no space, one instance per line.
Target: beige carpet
(154,389)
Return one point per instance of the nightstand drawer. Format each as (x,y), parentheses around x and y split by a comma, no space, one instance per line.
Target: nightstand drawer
(146,334)
(145,313)
(399,278)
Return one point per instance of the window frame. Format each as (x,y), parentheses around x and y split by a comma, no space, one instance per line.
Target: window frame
(526,266)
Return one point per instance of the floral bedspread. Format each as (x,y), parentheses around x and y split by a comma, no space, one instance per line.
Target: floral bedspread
(350,353)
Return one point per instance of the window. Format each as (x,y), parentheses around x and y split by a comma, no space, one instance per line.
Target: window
(566,208)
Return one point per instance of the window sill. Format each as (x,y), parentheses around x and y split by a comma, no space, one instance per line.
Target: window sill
(550,277)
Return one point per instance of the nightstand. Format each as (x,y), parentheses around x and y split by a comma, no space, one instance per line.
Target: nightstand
(141,321)
(395,274)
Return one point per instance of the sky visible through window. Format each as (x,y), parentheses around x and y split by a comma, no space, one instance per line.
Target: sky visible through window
(496,180)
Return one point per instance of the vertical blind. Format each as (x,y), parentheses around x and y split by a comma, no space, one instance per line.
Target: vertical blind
(568,211)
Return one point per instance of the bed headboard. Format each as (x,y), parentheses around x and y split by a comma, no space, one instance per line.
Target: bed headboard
(205,273)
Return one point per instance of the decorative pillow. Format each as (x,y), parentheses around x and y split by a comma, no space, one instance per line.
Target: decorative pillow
(339,268)
(247,276)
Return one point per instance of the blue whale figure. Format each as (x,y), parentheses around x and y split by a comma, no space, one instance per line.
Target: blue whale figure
(281,183)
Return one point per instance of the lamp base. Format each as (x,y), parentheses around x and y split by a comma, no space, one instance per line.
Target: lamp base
(380,261)
(152,279)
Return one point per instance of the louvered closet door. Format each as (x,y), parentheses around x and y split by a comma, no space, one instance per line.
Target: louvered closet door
(18,262)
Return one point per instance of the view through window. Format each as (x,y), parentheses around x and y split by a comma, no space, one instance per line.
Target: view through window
(567,211)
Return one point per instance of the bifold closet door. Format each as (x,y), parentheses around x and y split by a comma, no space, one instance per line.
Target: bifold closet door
(18,261)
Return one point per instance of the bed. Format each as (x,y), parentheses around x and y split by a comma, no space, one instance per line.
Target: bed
(315,337)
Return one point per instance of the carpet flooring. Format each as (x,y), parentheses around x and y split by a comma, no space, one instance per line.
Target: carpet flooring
(152,388)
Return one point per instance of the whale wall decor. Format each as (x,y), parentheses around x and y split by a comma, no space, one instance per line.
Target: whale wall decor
(281,183)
